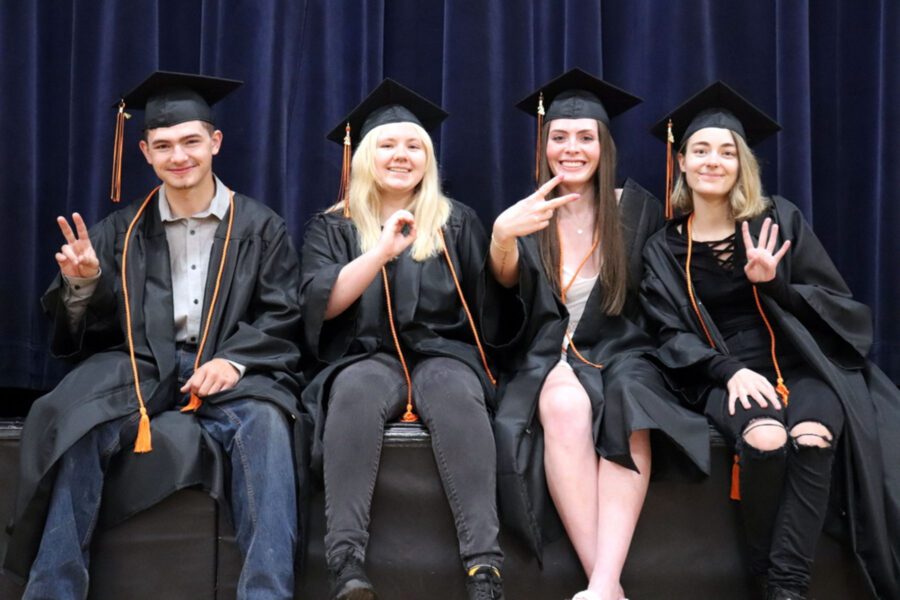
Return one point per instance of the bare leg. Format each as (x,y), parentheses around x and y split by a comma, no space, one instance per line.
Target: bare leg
(570,460)
(620,496)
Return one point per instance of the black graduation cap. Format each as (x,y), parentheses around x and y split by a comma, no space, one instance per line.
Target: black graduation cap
(389,102)
(717,105)
(576,94)
(169,98)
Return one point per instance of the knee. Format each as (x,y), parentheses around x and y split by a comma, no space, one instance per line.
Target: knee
(564,411)
(267,420)
(438,379)
(811,433)
(765,435)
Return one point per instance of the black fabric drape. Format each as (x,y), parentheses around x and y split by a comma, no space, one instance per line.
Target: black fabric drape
(825,69)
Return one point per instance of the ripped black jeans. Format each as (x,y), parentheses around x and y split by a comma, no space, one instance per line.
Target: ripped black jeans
(784,487)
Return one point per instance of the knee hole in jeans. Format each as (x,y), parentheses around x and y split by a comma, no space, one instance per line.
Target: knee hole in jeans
(765,435)
(811,433)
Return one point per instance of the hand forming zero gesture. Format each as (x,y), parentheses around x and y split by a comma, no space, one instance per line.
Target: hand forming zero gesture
(761,262)
(398,234)
(530,214)
(76,258)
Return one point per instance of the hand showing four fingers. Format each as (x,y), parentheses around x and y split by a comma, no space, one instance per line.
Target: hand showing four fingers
(530,214)
(76,258)
(762,260)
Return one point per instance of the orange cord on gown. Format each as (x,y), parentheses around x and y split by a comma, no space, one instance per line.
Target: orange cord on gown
(143,442)
(781,388)
(564,288)
(195,401)
(410,416)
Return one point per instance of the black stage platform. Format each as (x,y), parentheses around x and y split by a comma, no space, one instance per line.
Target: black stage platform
(687,545)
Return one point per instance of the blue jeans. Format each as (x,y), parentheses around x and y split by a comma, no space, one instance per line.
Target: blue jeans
(257,439)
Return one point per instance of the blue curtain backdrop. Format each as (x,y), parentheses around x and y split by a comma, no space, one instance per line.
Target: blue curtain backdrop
(826,69)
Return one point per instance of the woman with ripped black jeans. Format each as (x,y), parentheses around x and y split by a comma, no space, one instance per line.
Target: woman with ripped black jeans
(753,315)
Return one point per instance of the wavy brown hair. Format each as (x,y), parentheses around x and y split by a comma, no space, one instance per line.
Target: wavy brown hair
(611,250)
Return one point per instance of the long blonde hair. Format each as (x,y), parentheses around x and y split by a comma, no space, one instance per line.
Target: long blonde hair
(607,228)
(429,205)
(746,197)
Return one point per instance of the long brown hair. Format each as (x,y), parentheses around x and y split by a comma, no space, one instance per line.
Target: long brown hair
(611,251)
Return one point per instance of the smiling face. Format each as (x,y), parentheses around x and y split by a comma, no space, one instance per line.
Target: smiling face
(181,155)
(573,149)
(710,162)
(400,159)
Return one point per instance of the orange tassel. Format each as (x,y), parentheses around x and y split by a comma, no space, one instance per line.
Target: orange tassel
(194,403)
(143,442)
(736,479)
(670,171)
(783,391)
(115,190)
(345,172)
(540,132)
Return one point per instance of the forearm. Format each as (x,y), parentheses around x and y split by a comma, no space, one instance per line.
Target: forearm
(353,280)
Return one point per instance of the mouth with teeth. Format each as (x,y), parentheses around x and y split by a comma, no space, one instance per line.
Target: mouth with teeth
(399,169)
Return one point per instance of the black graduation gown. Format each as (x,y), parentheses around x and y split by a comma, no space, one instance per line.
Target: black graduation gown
(641,400)
(256,324)
(813,307)
(428,314)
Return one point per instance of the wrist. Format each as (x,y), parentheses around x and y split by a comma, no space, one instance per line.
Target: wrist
(503,243)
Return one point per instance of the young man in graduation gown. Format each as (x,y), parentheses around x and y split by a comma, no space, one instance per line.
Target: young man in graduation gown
(183,311)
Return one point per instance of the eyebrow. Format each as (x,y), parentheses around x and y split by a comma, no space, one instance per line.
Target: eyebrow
(591,131)
(185,138)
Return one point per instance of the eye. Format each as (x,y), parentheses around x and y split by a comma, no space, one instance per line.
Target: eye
(587,138)
(558,138)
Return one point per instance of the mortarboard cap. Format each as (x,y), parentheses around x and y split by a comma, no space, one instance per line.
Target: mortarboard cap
(389,102)
(717,105)
(169,98)
(576,94)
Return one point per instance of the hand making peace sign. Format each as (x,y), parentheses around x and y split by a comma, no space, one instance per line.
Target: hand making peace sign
(530,214)
(76,258)
(761,262)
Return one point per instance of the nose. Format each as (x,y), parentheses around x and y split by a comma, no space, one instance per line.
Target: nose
(178,153)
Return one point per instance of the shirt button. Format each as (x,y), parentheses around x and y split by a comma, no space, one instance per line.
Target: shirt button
(193,232)
(193,267)
(196,301)
(77,287)
(193,338)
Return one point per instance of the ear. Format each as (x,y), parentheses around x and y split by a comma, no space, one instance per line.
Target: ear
(216,138)
(680,158)
(146,150)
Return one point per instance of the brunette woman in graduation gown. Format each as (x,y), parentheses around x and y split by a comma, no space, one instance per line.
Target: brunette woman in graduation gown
(580,398)
(757,321)
(387,277)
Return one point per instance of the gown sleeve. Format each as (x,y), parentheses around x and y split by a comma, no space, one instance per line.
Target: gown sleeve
(325,252)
